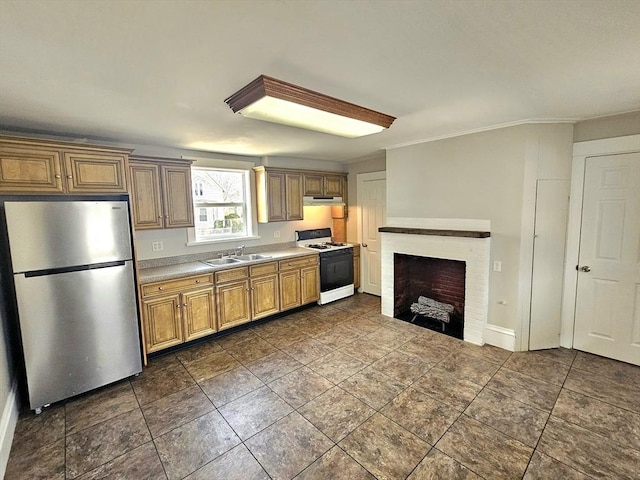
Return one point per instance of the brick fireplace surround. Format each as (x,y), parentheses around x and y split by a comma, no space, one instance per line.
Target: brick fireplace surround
(454,239)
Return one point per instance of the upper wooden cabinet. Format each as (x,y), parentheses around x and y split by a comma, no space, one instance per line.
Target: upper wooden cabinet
(40,166)
(160,193)
(279,195)
(324,184)
(280,191)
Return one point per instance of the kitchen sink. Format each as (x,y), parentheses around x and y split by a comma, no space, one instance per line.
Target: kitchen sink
(252,256)
(222,261)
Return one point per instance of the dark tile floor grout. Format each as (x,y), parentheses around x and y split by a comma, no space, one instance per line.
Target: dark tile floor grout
(282,399)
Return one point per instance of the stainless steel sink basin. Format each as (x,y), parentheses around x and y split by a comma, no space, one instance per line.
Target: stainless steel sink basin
(222,261)
(252,256)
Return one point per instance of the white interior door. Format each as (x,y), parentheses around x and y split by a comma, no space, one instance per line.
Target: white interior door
(552,206)
(372,198)
(608,294)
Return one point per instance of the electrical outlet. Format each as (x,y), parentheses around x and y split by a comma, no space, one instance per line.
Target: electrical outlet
(276,234)
(497,266)
(157,246)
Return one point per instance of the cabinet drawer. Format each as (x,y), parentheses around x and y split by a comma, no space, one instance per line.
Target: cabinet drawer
(232,274)
(263,269)
(178,284)
(298,262)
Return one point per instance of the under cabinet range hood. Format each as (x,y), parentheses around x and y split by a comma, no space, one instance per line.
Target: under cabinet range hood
(322,200)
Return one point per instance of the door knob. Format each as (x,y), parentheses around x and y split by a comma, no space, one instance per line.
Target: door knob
(364,245)
(585,268)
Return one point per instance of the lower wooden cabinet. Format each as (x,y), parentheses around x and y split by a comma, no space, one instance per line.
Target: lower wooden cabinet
(265,300)
(299,282)
(290,293)
(310,284)
(183,309)
(198,313)
(245,294)
(233,304)
(176,311)
(162,322)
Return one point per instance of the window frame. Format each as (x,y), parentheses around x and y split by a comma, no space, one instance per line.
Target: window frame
(248,205)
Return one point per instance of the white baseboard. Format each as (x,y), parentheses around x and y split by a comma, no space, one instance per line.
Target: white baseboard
(500,337)
(8,425)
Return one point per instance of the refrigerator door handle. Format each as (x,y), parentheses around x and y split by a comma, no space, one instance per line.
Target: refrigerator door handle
(75,268)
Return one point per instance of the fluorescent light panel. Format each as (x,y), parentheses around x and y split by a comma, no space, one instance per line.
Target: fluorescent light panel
(280,102)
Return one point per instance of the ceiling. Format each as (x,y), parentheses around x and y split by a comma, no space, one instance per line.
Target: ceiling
(157,72)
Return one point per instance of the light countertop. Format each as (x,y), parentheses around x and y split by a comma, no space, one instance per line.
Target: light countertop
(178,270)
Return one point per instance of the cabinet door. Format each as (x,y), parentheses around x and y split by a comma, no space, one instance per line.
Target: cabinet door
(310,284)
(198,313)
(294,196)
(95,172)
(333,185)
(265,299)
(177,200)
(30,170)
(233,304)
(145,195)
(162,322)
(290,290)
(276,197)
(313,184)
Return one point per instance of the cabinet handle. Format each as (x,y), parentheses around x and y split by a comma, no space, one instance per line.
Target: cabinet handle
(69,177)
(159,216)
(179,306)
(197,281)
(365,245)
(57,175)
(160,288)
(184,304)
(166,216)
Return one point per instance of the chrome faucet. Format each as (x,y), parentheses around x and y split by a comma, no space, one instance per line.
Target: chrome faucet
(241,250)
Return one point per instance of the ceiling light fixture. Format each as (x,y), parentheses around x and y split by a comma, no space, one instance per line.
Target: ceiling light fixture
(280,102)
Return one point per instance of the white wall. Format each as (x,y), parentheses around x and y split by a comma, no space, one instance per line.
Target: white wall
(489,175)
(608,127)
(175,239)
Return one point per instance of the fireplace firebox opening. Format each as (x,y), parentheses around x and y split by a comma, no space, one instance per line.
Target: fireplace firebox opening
(417,278)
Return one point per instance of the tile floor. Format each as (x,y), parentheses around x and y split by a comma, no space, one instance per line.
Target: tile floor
(342,392)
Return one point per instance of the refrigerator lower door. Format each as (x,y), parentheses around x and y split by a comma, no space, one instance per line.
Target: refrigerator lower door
(79,331)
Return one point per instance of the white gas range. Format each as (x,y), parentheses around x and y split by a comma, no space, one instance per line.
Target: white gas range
(336,263)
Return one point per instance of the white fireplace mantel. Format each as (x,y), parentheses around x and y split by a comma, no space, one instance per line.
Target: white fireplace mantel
(474,250)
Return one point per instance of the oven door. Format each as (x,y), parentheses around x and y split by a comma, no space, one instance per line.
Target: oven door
(336,269)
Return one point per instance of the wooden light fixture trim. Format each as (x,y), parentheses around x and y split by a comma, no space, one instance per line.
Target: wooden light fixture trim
(267,86)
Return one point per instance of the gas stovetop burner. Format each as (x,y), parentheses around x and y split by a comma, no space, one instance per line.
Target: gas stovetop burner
(318,246)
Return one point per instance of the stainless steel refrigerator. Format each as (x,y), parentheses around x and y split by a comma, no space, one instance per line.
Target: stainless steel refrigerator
(76,296)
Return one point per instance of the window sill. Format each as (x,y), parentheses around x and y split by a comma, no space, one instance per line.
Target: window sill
(222,240)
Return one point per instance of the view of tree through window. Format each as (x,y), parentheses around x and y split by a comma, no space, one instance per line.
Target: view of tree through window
(220,201)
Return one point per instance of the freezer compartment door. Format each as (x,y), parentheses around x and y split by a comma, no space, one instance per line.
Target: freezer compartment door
(46,235)
(79,331)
